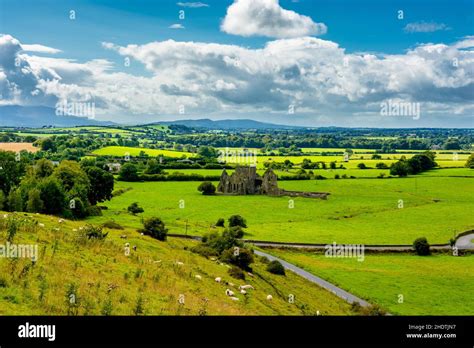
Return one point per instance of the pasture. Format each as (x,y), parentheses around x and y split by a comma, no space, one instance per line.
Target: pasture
(440,284)
(370,211)
(151,279)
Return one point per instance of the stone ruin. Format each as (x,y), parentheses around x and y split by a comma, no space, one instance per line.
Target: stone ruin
(246,181)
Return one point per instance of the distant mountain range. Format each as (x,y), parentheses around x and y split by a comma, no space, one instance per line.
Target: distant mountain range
(226,124)
(39,116)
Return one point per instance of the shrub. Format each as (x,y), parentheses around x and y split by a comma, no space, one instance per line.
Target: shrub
(94,232)
(236,232)
(336,176)
(94,211)
(134,208)
(361,166)
(220,222)
(237,220)
(381,165)
(207,188)
(276,267)
(112,225)
(422,247)
(203,250)
(155,228)
(236,272)
(237,256)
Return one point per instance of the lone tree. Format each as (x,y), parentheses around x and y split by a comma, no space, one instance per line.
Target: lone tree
(422,247)
(207,188)
(128,172)
(155,228)
(134,208)
(470,162)
(237,220)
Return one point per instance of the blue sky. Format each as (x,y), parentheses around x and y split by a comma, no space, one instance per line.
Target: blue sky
(356,27)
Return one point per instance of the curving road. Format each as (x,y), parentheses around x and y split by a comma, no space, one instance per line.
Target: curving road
(319,281)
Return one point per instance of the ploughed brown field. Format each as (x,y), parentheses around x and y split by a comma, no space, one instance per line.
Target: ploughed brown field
(17,147)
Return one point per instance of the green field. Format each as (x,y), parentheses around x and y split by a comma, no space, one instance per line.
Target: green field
(432,285)
(357,211)
(103,273)
(120,151)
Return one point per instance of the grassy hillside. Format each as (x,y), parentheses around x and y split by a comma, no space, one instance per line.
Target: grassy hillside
(430,285)
(357,211)
(104,280)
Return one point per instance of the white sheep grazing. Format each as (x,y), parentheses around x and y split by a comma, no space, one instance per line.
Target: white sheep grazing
(41,225)
(74,229)
(5,216)
(123,236)
(245,287)
(243,292)
(179,263)
(61,221)
(157,261)
(250,274)
(234,298)
(231,284)
(218,279)
(269,297)
(197,276)
(229,292)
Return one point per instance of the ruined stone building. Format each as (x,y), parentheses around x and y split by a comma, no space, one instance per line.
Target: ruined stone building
(246,181)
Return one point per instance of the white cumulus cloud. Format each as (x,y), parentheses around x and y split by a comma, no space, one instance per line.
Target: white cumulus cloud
(268,18)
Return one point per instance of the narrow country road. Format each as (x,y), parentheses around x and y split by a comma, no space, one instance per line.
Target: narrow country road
(312,278)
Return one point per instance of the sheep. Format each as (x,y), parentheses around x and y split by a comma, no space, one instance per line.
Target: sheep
(159,261)
(245,287)
(123,236)
(229,292)
(41,225)
(197,276)
(179,263)
(74,229)
(218,279)
(250,274)
(61,221)
(269,297)
(243,292)
(234,298)
(231,284)
(127,245)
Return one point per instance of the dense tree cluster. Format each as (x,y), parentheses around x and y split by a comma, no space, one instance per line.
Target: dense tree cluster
(69,189)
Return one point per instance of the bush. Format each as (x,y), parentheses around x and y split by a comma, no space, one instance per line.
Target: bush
(207,188)
(93,211)
(361,166)
(422,247)
(112,225)
(276,267)
(237,220)
(203,250)
(134,208)
(155,228)
(336,176)
(94,232)
(236,272)
(236,232)
(220,222)
(239,257)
